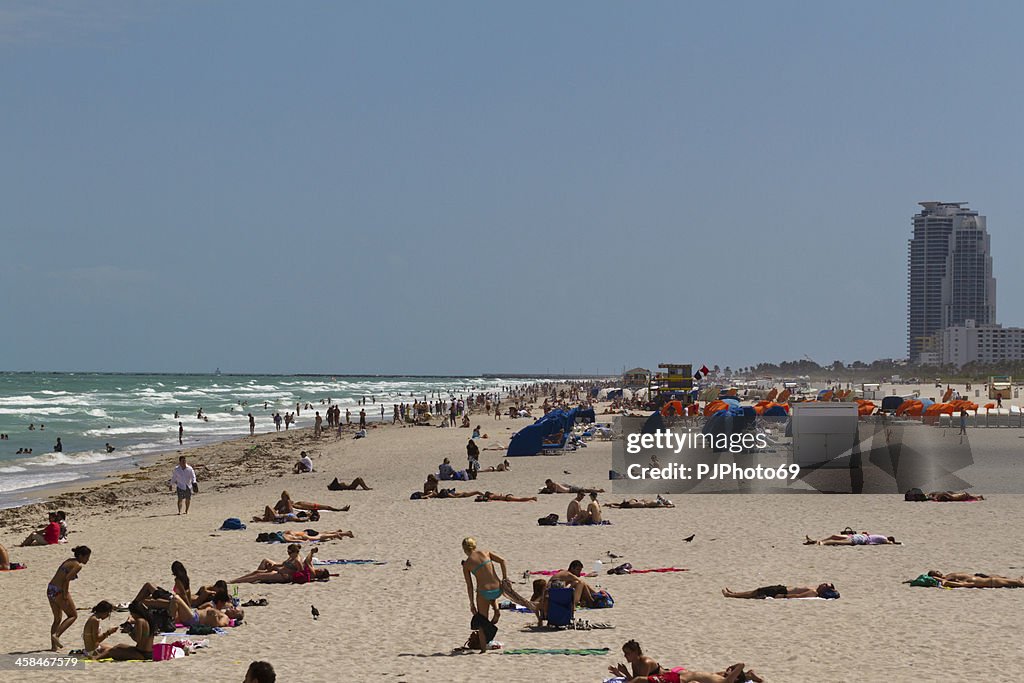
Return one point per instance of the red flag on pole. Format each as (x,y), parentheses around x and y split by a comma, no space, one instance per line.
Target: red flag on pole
(705,370)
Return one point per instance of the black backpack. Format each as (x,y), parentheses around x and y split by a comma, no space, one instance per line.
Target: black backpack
(550,520)
(162,622)
(916,495)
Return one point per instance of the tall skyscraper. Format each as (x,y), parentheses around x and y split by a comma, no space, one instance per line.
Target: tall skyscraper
(949,276)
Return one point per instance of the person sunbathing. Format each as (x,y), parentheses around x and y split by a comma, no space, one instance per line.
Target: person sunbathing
(357,483)
(863,538)
(269,515)
(286,504)
(219,613)
(554,487)
(644,669)
(269,571)
(953,497)
(642,503)
(91,635)
(5,559)
(502,467)
(313,535)
(966,580)
(488,497)
(824,590)
(447,493)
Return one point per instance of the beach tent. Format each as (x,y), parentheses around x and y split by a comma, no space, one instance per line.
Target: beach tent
(775,410)
(676,408)
(530,440)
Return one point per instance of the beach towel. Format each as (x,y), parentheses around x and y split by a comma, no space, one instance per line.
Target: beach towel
(232,524)
(557,651)
(317,562)
(601,523)
(14,567)
(552,572)
(627,569)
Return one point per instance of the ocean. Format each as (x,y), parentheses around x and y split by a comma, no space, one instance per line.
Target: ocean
(135,415)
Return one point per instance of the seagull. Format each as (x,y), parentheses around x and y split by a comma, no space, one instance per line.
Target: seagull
(408,563)
(613,555)
(566,472)
(315,611)
(689,538)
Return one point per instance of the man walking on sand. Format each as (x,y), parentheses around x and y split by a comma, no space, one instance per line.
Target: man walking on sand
(183,478)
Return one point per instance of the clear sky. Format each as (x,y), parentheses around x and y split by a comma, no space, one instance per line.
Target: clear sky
(464,187)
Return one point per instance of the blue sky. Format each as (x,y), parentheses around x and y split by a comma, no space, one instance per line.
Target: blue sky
(463,187)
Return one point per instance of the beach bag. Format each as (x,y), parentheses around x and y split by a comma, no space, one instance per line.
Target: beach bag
(473,642)
(164,651)
(200,630)
(550,520)
(232,524)
(195,487)
(925,581)
(916,495)
(603,600)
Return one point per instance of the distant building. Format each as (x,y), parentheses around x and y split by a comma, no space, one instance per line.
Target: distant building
(949,279)
(637,377)
(969,343)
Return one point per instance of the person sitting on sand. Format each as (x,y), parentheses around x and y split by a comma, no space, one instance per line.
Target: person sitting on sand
(140,626)
(642,503)
(91,636)
(286,504)
(484,600)
(592,515)
(824,590)
(575,511)
(966,580)
(217,613)
(182,587)
(953,497)
(305,464)
(583,594)
(48,535)
(863,538)
(488,497)
(554,487)
(357,483)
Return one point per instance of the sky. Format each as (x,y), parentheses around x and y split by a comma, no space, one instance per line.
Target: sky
(465,187)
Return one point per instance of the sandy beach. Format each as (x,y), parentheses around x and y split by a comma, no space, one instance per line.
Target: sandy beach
(399,623)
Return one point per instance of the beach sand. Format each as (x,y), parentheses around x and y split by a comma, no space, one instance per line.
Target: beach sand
(392,623)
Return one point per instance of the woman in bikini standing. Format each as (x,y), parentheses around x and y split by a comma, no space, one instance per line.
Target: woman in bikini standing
(57,593)
(480,563)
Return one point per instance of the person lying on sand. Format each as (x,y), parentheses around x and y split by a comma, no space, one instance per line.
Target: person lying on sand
(286,504)
(824,590)
(357,483)
(301,516)
(502,467)
(488,497)
(554,487)
(966,580)
(446,493)
(642,503)
(313,535)
(863,538)
(644,669)
(953,497)
(218,613)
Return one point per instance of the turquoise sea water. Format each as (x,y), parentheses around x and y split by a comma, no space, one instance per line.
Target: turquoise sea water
(135,414)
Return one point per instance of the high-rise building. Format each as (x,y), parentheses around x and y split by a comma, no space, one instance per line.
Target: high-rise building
(949,276)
